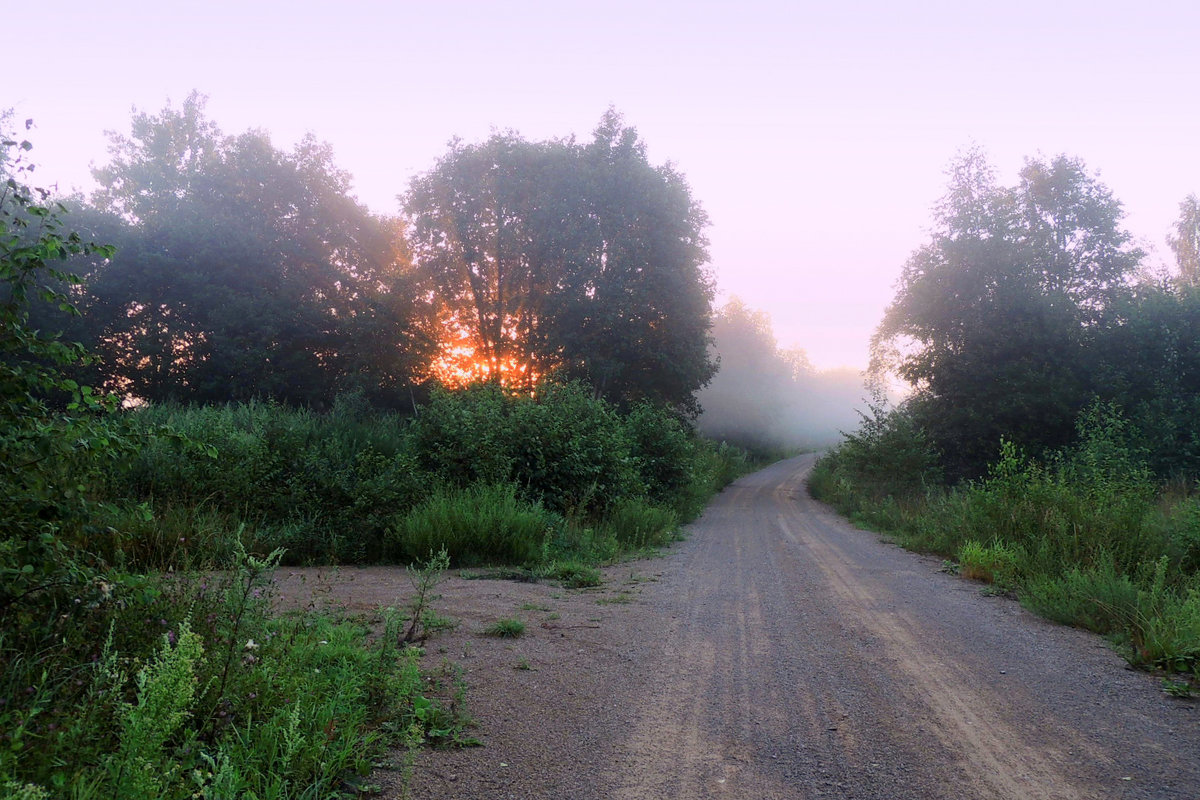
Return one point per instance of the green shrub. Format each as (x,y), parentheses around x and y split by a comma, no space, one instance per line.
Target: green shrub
(996,563)
(889,456)
(637,524)
(571,451)
(482,524)
(198,689)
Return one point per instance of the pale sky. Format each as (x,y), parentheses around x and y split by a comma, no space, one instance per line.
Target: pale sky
(816,135)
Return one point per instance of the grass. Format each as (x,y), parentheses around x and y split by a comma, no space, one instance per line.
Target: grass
(483,524)
(1086,539)
(573,574)
(506,628)
(230,700)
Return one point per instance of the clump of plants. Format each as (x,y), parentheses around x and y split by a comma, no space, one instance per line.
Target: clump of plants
(506,628)
(1085,536)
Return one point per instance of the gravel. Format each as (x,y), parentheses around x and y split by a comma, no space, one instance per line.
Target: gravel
(779,652)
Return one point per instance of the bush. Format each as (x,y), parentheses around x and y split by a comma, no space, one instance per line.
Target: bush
(636,524)
(482,524)
(325,487)
(889,456)
(996,563)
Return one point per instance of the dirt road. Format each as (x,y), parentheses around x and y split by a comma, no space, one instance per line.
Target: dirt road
(781,653)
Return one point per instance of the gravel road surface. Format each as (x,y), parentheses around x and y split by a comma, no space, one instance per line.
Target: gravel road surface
(779,652)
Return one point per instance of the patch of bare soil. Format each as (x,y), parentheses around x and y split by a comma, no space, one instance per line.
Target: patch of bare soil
(779,652)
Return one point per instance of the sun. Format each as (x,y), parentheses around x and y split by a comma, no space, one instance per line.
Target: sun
(459,364)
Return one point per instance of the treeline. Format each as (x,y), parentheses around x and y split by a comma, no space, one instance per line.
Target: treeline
(1028,303)
(1050,443)
(244,272)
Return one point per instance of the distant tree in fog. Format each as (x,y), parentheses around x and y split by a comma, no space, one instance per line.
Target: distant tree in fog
(768,398)
(1185,241)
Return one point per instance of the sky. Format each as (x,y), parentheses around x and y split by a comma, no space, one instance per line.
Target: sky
(815,134)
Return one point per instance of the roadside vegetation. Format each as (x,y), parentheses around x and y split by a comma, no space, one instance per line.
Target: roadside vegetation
(1050,445)
(140,653)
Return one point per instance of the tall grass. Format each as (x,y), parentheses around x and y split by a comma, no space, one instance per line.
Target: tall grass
(482,524)
(1086,538)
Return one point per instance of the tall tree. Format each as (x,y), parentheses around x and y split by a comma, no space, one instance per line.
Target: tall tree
(581,259)
(1185,241)
(245,271)
(992,318)
(637,315)
(482,221)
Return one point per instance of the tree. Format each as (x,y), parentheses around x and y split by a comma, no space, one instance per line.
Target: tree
(748,398)
(635,319)
(1151,369)
(993,318)
(484,230)
(245,271)
(1185,242)
(583,260)
(765,397)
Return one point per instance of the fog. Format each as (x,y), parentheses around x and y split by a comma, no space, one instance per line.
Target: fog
(768,398)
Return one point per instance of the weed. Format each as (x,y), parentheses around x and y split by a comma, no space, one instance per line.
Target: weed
(1183,689)
(523,664)
(507,628)
(573,574)
(480,524)
(425,578)
(997,563)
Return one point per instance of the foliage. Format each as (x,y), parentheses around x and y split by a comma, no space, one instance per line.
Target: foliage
(1084,537)
(1185,241)
(996,563)
(994,318)
(232,701)
(1151,369)
(582,259)
(564,448)
(324,486)
(482,524)
(507,628)
(889,456)
(245,272)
